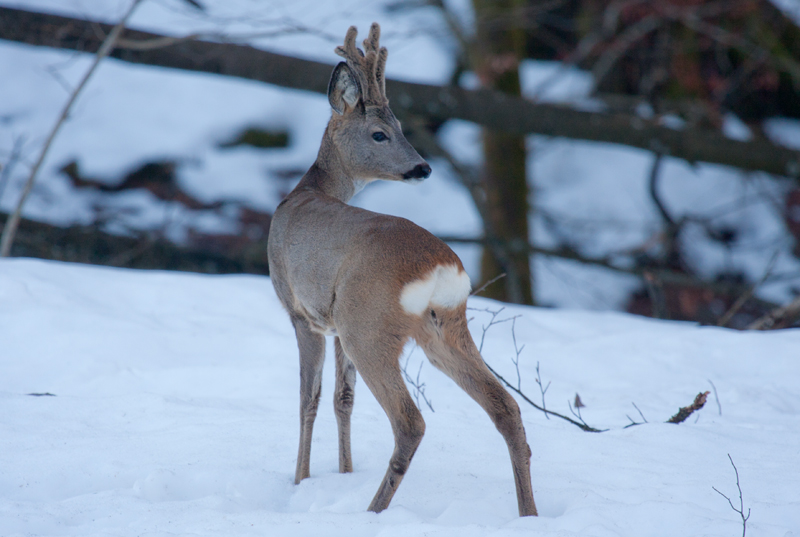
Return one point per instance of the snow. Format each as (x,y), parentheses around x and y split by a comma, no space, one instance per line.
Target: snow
(176,401)
(176,395)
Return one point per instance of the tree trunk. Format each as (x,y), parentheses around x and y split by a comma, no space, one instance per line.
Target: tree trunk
(495,58)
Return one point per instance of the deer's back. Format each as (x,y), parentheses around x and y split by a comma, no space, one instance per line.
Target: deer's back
(322,250)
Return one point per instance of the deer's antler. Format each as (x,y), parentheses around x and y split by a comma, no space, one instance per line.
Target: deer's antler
(370,68)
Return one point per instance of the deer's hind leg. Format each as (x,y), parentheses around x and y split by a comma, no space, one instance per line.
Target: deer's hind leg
(312,357)
(377,359)
(447,343)
(343,404)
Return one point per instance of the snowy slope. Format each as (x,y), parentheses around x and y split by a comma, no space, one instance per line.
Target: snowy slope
(175,413)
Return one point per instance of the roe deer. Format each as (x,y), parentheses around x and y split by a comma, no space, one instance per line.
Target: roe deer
(375,281)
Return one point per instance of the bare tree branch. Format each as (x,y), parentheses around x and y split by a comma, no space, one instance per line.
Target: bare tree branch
(10,227)
(623,43)
(663,275)
(144,250)
(488,108)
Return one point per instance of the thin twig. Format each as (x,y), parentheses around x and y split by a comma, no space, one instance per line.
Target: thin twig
(492,322)
(716,398)
(639,411)
(681,415)
(740,510)
(487,284)
(416,383)
(725,319)
(13,158)
(518,351)
(10,228)
(582,426)
(542,389)
(576,411)
(633,422)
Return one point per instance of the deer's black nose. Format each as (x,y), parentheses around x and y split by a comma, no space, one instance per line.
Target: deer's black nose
(420,171)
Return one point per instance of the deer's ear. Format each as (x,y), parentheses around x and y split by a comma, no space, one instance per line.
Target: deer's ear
(343,89)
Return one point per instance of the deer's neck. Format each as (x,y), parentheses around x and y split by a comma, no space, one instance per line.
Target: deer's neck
(328,174)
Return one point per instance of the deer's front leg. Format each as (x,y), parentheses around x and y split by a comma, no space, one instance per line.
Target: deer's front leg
(343,404)
(312,356)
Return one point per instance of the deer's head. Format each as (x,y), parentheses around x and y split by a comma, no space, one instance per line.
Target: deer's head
(368,138)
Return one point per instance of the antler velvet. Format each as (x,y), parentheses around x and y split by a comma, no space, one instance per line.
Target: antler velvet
(369,68)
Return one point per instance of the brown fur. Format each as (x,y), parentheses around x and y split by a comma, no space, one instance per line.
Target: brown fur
(341,270)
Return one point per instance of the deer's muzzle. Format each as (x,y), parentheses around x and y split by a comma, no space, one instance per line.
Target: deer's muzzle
(420,171)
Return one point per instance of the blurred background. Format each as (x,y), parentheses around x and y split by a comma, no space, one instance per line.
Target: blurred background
(600,154)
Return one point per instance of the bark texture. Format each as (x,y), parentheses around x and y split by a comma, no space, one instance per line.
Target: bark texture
(495,58)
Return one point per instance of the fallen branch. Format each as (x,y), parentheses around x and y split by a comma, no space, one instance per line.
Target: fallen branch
(686,411)
(488,108)
(779,317)
(747,295)
(579,422)
(583,426)
(146,250)
(492,322)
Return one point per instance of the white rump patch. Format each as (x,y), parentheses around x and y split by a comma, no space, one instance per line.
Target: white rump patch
(446,286)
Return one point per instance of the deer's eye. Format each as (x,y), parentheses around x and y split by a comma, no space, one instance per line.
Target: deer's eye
(379,136)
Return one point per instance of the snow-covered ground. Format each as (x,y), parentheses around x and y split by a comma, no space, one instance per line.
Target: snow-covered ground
(175,396)
(595,193)
(175,409)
